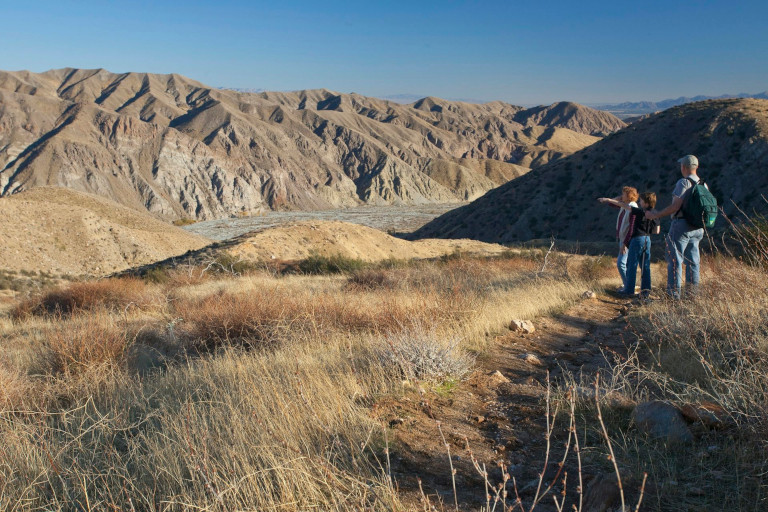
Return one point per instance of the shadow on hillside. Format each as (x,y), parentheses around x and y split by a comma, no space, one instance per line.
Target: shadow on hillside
(204,255)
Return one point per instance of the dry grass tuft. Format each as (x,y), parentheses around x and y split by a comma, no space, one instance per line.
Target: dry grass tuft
(85,343)
(419,353)
(117,294)
(15,388)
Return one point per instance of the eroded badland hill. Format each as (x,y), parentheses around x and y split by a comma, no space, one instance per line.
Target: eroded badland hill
(181,149)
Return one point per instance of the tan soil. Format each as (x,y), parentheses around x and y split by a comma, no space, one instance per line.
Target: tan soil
(61,231)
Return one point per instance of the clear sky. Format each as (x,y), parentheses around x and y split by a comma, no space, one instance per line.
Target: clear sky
(523,52)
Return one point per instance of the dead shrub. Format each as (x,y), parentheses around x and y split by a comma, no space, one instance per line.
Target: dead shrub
(595,268)
(749,240)
(113,294)
(373,279)
(89,341)
(267,316)
(15,388)
(225,318)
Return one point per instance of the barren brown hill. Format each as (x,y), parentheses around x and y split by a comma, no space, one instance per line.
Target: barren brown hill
(66,232)
(180,149)
(329,238)
(730,137)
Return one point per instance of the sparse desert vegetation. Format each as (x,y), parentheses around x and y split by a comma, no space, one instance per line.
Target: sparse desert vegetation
(250,392)
(268,298)
(334,382)
(707,356)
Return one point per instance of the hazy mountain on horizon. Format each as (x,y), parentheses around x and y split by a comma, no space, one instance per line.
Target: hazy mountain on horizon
(638,108)
(406,98)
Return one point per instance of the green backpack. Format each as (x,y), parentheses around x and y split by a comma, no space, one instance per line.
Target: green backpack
(699,206)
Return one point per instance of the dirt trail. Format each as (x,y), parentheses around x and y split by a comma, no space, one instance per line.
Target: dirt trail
(501,415)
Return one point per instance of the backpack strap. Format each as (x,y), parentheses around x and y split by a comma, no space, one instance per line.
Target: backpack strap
(694,183)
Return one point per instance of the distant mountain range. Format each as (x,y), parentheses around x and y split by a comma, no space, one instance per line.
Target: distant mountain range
(639,108)
(181,149)
(411,98)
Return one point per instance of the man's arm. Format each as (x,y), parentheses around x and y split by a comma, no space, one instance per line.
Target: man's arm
(673,207)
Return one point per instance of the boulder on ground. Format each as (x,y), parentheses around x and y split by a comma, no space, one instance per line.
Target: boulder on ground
(497,378)
(522,326)
(662,421)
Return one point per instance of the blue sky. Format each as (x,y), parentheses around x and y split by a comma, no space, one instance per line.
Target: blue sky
(523,52)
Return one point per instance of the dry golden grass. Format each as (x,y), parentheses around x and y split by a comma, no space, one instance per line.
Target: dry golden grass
(235,432)
(14,388)
(287,428)
(709,348)
(714,347)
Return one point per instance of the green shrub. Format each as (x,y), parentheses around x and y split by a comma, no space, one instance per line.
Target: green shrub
(227,264)
(158,275)
(334,264)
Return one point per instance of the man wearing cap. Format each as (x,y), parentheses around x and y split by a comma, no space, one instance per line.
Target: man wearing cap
(682,239)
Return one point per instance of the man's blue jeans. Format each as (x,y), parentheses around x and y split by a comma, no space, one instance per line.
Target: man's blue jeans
(682,248)
(639,253)
(621,264)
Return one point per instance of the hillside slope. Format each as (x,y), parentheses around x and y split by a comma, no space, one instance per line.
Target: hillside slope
(730,137)
(67,232)
(180,149)
(299,240)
